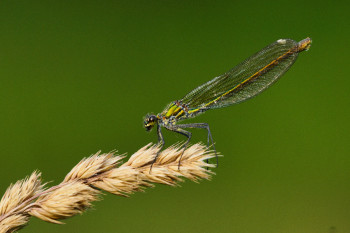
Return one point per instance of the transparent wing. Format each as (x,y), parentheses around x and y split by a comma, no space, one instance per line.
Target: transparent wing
(247,79)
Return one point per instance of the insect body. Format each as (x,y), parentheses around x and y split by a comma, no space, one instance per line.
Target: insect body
(243,82)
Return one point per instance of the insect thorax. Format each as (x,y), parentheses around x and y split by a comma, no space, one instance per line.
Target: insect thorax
(175,109)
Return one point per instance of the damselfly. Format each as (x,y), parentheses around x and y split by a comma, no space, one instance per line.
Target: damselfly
(243,82)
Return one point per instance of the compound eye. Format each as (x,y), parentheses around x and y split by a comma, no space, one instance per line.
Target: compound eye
(152,118)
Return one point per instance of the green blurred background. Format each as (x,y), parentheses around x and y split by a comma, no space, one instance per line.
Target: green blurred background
(79,76)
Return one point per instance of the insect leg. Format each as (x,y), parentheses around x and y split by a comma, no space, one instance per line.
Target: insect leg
(185,133)
(210,137)
(160,143)
(160,135)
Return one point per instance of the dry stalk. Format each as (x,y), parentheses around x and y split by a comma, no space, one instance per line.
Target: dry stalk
(84,183)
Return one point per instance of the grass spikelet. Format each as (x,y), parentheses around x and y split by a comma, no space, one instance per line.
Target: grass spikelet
(70,199)
(13,223)
(19,192)
(120,181)
(13,207)
(93,165)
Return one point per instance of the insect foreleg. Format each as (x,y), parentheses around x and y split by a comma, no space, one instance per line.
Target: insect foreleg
(160,135)
(160,144)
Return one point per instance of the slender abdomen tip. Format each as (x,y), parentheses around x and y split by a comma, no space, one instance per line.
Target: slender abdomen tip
(304,44)
(282,41)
